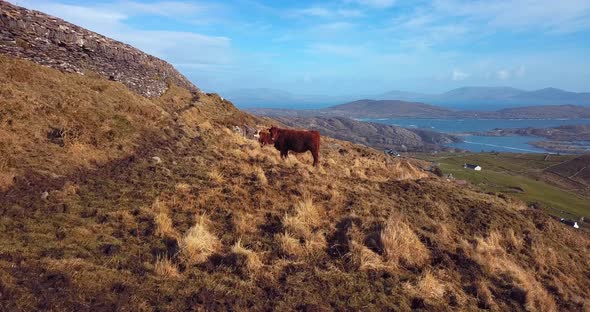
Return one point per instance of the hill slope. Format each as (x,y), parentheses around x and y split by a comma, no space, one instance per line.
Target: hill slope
(114,201)
(256,231)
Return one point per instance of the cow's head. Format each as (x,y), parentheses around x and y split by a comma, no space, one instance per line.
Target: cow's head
(274,133)
(257,134)
(264,138)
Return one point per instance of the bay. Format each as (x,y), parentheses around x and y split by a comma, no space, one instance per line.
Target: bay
(462,127)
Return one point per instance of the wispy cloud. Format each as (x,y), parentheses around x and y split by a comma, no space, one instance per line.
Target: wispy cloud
(540,15)
(458,75)
(336,50)
(326,12)
(379,4)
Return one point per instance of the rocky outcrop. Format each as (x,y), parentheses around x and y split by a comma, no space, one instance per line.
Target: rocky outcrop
(53,42)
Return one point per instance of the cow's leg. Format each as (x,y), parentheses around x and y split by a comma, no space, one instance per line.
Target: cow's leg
(316,157)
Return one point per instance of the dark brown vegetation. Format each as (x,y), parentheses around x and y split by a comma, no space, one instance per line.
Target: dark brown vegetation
(90,220)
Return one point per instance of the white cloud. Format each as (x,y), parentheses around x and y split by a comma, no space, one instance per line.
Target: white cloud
(520,71)
(325,12)
(336,49)
(503,74)
(537,15)
(458,75)
(163,8)
(330,27)
(378,4)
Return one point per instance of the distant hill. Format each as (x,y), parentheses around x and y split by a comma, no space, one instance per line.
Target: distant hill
(546,111)
(561,133)
(375,135)
(404,96)
(401,109)
(388,109)
(466,98)
(492,98)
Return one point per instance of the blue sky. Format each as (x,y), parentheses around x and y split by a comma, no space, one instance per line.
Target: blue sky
(352,46)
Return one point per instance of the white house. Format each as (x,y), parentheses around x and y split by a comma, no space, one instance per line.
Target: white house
(473,167)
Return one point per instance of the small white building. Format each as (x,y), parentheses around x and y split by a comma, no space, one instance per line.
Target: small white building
(472,167)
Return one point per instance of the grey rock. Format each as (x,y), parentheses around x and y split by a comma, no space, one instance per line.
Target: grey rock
(53,42)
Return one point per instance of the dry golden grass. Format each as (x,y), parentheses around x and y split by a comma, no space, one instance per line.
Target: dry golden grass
(7,174)
(245,223)
(513,240)
(401,246)
(164,267)
(253,262)
(205,126)
(164,225)
(301,235)
(198,243)
(182,187)
(251,195)
(430,287)
(216,176)
(260,176)
(306,218)
(492,256)
(289,244)
(364,258)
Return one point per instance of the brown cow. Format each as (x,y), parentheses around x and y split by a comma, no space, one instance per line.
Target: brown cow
(298,141)
(264,138)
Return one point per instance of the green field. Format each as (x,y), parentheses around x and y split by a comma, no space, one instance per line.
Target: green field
(508,173)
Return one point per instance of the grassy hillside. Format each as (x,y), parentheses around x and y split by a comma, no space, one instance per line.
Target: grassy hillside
(91,221)
(508,172)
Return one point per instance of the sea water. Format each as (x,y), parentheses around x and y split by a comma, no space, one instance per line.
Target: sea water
(474,143)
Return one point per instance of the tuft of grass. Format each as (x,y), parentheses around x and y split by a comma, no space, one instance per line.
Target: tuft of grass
(401,245)
(306,218)
(216,177)
(289,244)
(198,243)
(164,225)
(492,256)
(253,262)
(430,287)
(260,176)
(364,258)
(183,187)
(164,267)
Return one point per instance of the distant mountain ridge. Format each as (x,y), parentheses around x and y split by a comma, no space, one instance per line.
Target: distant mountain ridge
(400,109)
(388,109)
(494,97)
(482,98)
